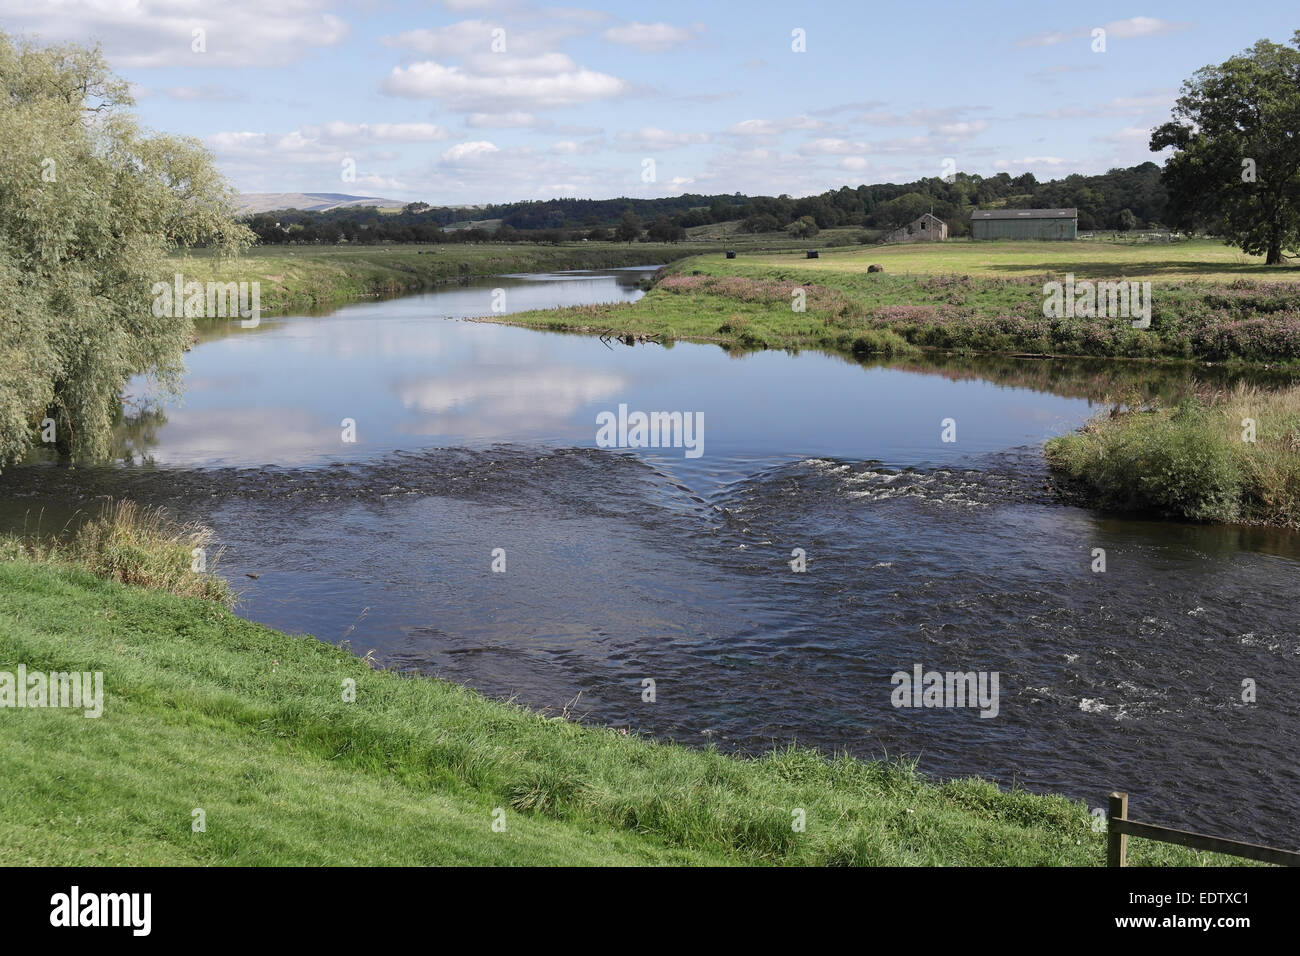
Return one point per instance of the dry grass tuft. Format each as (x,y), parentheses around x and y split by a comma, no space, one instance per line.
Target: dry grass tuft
(136,545)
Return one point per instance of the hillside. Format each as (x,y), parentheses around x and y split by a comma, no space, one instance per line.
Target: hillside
(309,202)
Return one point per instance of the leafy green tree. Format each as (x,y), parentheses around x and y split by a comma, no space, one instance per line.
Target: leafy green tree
(662,230)
(1236,136)
(762,222)
(1126,221)
(629,227)
(904,209)
(1024,183)
(90,207)
(805,227)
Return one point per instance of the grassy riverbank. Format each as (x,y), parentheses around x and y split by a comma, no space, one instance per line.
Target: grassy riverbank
(308,277)
(1229,456)
(1209,302)
(206,711)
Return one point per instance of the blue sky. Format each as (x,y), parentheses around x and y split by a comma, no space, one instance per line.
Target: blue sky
(580,101)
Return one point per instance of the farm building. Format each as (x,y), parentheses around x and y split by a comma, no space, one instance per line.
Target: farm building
(1024,224)
(926,229)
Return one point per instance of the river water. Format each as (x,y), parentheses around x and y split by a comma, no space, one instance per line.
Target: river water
(627,564)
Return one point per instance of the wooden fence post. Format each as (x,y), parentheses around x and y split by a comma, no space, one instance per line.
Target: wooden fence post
(1116,842)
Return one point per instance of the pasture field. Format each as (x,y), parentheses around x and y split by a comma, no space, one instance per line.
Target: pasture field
(1196,260)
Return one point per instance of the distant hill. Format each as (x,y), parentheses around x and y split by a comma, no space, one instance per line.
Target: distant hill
(315,202)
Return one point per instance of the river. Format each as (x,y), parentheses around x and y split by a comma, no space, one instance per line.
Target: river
(627,564)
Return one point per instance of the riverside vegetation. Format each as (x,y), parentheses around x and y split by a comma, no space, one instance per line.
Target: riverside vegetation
(1229,456)
(1210,302)
(205,710)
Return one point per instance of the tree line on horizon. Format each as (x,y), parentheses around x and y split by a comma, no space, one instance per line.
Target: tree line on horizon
(1122,199)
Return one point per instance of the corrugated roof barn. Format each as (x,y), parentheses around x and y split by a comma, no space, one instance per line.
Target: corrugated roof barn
(1024,224)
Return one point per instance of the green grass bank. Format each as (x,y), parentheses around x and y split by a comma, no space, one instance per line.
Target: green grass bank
(1208,303)
(206,711)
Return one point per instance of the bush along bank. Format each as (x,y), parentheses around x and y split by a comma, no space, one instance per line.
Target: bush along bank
(1229,457)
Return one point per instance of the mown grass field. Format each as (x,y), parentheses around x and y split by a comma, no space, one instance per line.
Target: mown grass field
(207,711)
(1201,260)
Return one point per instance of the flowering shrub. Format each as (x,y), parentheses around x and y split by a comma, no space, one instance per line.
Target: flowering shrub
(1274,337)
(1250,298)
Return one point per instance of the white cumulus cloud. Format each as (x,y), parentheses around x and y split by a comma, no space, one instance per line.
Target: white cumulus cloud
(463,152)
(160,33)
(648,37)
(462,89)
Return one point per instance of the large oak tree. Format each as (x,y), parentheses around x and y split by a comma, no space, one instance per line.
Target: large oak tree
(1236,136)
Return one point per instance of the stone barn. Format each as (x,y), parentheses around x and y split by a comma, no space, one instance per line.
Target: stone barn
(1024,224)
(928,228)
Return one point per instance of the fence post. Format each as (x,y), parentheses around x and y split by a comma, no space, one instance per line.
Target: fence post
(1116,842)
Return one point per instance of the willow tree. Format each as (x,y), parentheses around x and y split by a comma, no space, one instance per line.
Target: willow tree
(91,205)
(1236,136)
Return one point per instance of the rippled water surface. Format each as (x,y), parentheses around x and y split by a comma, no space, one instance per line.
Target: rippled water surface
(622,565)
